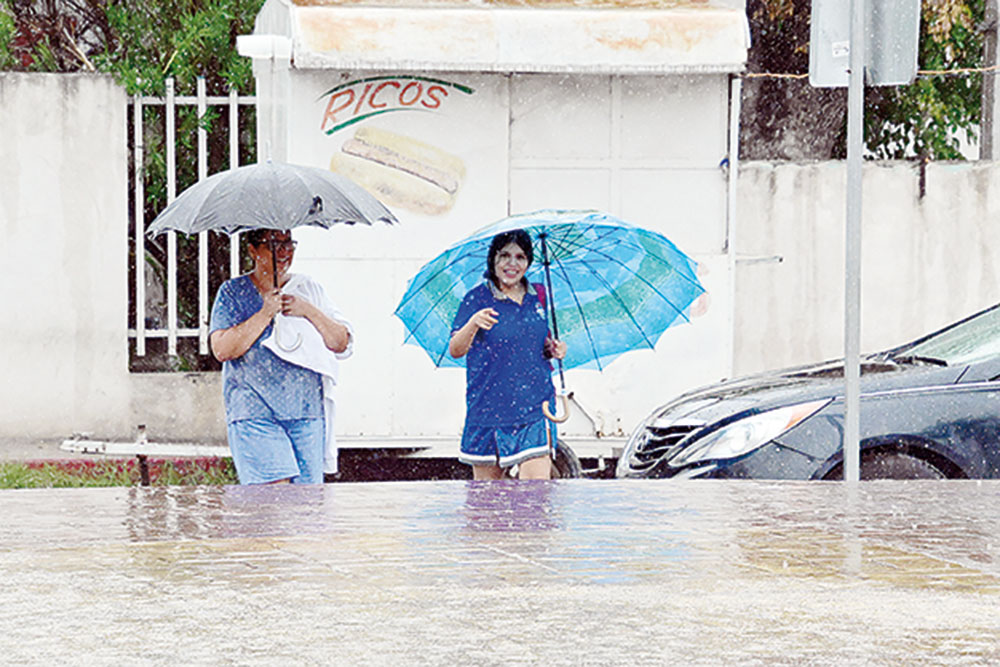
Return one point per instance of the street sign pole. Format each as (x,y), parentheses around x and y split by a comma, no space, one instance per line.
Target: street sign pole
(849,43)
(852,243)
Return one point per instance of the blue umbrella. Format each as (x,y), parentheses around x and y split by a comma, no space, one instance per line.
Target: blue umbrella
(612,286)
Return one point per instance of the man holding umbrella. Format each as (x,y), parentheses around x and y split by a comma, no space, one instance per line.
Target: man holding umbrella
(274,395)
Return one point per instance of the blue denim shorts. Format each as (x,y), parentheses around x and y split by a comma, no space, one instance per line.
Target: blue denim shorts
(505,446)
(265,450)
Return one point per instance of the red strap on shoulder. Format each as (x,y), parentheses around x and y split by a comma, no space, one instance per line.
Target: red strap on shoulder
(540,291)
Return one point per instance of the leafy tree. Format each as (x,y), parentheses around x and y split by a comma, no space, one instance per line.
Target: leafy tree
(785,118)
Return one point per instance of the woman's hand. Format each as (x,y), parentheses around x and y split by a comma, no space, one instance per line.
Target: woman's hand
(272,303)
(484,319)
(462,339)
(336,336)
(294,307)
(233,343)
(555,349)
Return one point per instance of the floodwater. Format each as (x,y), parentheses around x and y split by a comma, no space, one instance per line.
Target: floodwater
(573,572)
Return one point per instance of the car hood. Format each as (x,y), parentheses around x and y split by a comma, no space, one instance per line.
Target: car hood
(801,384)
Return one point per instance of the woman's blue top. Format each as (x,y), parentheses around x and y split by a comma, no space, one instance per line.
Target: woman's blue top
(507,374)
(260,384)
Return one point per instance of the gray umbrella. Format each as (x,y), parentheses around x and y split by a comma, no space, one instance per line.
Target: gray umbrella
(270,195)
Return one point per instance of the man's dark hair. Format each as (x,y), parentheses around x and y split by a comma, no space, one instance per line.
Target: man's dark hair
(518,236)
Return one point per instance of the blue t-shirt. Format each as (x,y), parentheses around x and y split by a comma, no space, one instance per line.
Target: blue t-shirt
(261,385)
(507,374)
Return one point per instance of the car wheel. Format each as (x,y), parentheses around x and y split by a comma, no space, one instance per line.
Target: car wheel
(895,465)
(566,465)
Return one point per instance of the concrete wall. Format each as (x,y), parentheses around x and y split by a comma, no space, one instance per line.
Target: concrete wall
(926,261)
(62,254)
(64,272)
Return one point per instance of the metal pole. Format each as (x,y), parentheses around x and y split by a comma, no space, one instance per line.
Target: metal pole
(552,305)
(988,143)
(735,102)
(852,244)
(203,306)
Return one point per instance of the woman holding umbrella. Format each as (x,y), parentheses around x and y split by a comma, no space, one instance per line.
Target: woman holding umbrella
(501,325)
(274,408)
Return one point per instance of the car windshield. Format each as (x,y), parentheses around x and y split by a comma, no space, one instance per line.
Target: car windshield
(971,340)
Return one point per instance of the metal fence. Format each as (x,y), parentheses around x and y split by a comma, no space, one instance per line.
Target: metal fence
(232,105)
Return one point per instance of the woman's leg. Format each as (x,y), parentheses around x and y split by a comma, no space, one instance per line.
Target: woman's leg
(487,472)
(308,438)
(539,467)
(529,446)
(262,451)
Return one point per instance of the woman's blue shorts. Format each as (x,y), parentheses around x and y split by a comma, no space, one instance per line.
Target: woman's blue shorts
(505,446)
(265,450)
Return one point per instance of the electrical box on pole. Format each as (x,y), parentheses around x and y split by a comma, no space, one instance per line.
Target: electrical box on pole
(892,33)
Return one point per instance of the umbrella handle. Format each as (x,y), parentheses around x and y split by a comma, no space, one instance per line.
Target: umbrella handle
(277,339)
(552,416)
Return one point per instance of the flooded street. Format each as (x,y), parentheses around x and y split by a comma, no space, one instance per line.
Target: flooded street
(569,572)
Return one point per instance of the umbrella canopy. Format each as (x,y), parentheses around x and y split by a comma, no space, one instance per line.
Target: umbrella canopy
(613,287)
(269,195)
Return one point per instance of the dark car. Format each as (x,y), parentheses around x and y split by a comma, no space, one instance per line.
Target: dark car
(928,409)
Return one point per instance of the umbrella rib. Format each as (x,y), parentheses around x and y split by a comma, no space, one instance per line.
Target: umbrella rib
(621,302)
(670,303)
(440,298)
(418,288)
(444,293)
(354,213)
(583,317)
(662,260)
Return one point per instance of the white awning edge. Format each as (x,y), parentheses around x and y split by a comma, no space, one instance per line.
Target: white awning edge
(616,41)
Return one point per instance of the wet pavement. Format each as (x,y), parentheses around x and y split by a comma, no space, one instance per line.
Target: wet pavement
(574,572)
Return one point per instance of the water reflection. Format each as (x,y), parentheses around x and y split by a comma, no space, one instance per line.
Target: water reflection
(163,513)
(207,512)
(510,506)
(274,510)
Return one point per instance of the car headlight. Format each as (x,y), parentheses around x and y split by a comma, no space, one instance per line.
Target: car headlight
(745,435)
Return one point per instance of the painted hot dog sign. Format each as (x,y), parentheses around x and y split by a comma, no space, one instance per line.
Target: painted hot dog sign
(361,99)
(399,169)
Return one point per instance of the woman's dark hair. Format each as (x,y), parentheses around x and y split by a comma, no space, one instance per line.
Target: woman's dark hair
(256,236)
(500,241)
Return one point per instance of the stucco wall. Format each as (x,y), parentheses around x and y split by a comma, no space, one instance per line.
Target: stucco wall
(62,254)
(926,261)
(64,272)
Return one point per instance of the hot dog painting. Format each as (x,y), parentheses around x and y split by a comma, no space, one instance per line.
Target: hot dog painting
(400,170)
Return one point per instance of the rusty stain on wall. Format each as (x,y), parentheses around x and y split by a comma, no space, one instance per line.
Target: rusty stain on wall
(504,4)
(562,35)
(679,32)
(359,34)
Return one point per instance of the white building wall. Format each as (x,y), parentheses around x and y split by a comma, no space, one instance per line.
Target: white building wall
(64,272)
